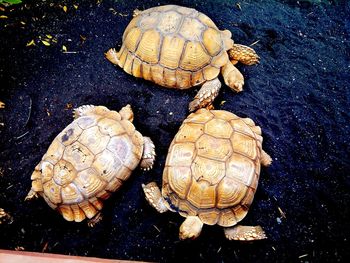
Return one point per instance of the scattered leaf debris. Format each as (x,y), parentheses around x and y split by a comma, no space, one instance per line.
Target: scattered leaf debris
(30,43)
(45,247)
(239,6)
(65,9)
(283,214)
(18,248)
(156,228)
(69,106)
(64,48)
(254,43)
(222,102)
(45,43)
(3,16)
(2,105)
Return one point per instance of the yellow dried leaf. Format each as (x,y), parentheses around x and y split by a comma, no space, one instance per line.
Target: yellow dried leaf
(65,9)
(76,7)
(23,23)
(2,105)
(45,43)
(49,36)
(30,43)
(222,102)
(3,16)
(64,48)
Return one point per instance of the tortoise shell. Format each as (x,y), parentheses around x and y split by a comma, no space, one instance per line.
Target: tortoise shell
(86,162)
(174,46)
(213,166)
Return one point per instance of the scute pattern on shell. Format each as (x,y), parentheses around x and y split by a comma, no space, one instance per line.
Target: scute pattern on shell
(213,166)
(174,47)
(88,160)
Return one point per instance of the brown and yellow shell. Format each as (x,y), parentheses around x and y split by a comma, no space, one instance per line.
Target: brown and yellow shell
(86,162)
(213,166)
(174,46)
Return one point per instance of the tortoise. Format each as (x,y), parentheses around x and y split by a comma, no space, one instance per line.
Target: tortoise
(88,160)
(179,47)
(211,174)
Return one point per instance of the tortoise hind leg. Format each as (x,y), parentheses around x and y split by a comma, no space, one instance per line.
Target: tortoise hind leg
(96,219)
(112,56)
(154,197)
(206,95)
(245,233)
(31,195)
(191,228)
(266,159)
(148,155)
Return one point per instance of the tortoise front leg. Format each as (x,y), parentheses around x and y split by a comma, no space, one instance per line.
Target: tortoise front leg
(154,197)
(148,155)
(243,54)
(191,228)
(245,233)
(233,77)
(206,95)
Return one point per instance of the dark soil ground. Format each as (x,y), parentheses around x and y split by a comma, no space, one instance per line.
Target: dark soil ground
(298,94)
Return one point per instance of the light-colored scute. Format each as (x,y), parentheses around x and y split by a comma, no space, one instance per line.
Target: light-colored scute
(110,127)
(213,148)
(107,164)
(201,194)
(179,180)
(79,155)
(47,171)
(148,49)
(191,29)
(55,152)
(227,218)
(208,170)
(53,192)
(194,57)
(240,126)
(148,21)
(181,154)
(89,182)
(171,51)
(70,134)
(245,145)
(63,173)
(200,116)
(210,217)
(169,22)
(132,39)
(71,194)
(212,41)
(94,140)
(230,192)
(241,168)
(189,132)
(218,128)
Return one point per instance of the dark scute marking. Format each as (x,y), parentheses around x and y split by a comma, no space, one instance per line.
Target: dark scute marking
(66,136)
